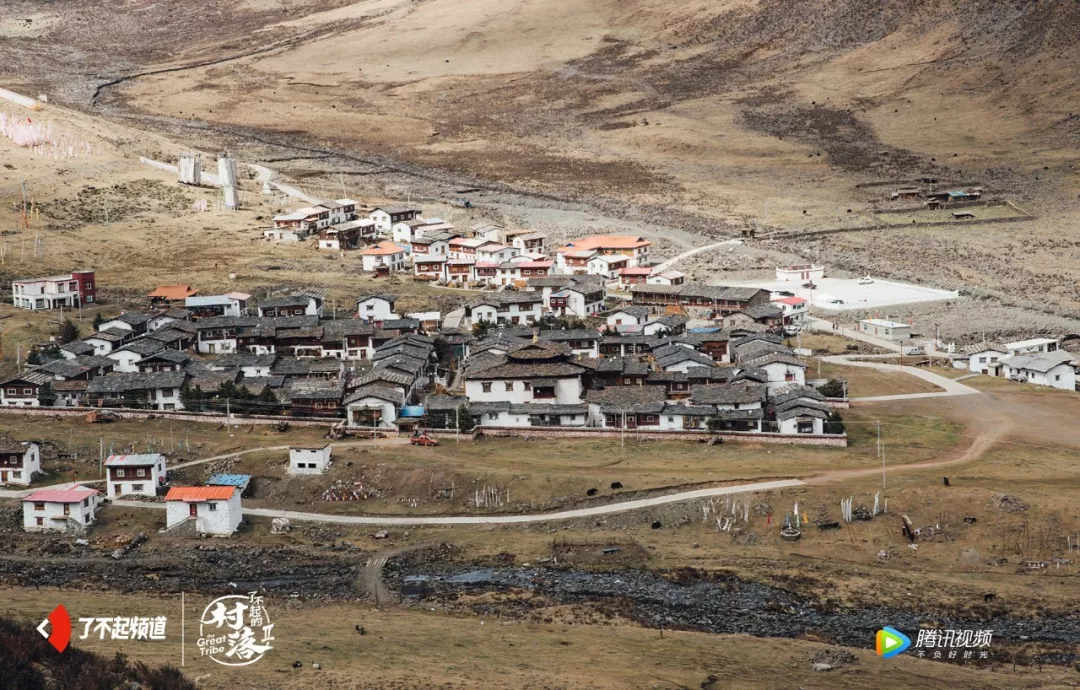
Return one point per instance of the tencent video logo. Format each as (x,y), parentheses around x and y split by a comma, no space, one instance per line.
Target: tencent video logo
(891,642)
(59,623)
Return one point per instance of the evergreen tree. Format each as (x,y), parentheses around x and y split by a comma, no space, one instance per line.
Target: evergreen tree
(46,395)
(68,332)
(98,320)
(464,419)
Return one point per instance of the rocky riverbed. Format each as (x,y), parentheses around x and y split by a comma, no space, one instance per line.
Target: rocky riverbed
(690,600)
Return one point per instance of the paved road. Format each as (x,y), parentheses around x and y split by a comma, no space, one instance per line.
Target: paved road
(952,386)
(663,266)
(394,520)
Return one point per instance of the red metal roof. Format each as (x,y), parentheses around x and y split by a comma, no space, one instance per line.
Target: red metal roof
(790,300)
(195,494)
(74,494)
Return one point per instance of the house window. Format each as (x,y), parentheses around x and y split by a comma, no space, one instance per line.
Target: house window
(213,506)
(18,474)
(136,488)
(528,385)
(120,472)
(493,415)
(39,506)
(486,386)
(509,385)
(86,503)
(671,420)
(140,472)
(28,391)
(40,521)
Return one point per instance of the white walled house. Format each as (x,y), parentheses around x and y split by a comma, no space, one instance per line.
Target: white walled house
(508,308)
(60,510)
(607,265)
(1032,346)
(526,389)
(794,310)
(628,316)
(134,475)
(986,358)
(376,307)
(493,252)
(373,406)
(884,329)
(215,510)
(430,267)
(309,460)
(581,301)
(1056,369)
(386,216)
(384,256)
(19,462)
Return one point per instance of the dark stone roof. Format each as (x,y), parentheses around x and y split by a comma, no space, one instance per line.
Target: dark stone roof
(239,359)
(288,301)
(110,335)
(341,328)
(123,382)
(400,324)
(375,390)
(78,347)
(378,295)
(478,408)
(566,335)
(64,367)
(174,356)
(636,311)
(133,318)
(629,399)
(315,389)
(256,384)
(143,347)
(713,373)
(211,381)
(528,370)
(684,355)
(801,410)
(36,378)
(764,311)
(392,376)
(622,365)
(718,292)
(690,410)
(727,393)
(772,358)
(541,408)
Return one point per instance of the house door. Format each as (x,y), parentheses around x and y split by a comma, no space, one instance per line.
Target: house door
(631,421)
(193,509)
(3,477)
(118,489)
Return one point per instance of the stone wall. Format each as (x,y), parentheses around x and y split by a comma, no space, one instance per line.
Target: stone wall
(735,436)
(211,417)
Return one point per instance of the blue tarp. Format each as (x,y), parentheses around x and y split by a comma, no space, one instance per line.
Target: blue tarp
(238,480)
(412,411)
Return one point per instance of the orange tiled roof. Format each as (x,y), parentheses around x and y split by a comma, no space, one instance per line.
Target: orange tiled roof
(194,494)
(382,248)
(607,242)
(173,292)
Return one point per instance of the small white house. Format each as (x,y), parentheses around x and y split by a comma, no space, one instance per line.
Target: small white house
(215,510)
(309,460)
(70,509)
(138,474)
(1056,369)
(986,359)
(383,256)
(19,462)
(376,307)
(1032,346)
(628,316)
(886,330)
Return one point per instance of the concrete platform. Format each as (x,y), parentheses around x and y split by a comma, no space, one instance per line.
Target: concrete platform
(880,293)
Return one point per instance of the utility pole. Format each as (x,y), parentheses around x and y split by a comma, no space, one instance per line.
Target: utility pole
(881,452)
(228,416)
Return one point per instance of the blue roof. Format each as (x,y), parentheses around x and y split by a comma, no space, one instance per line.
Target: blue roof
(704,330)
(958,194)
(412,411)
(229,479)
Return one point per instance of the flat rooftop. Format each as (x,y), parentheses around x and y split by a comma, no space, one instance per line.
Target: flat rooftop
(880,293)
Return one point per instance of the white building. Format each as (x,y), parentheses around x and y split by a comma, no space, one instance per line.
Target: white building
(376,307)
(493,252)
(984,358)
(309,460)
(1056,369)
(386,216)
(60,510)
(54,292)
(884,329)
(1026,347)
(666,278)
(795,310)
(134,475)
(373,406)
(800,273)
(232,304)
(523,308)
(215,510)
(577,300)
(385,256)
(628,316)
(19,462)
(607,265)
